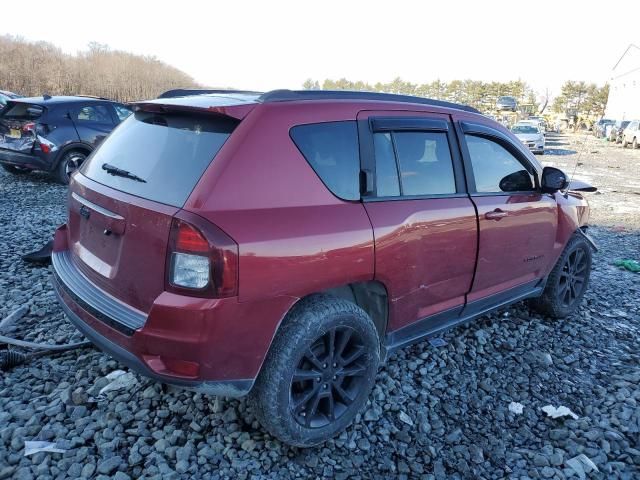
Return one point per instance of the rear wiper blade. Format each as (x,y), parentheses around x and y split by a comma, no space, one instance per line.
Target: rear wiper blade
(119,172)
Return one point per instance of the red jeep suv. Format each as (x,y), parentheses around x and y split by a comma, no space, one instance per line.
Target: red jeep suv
(283,244)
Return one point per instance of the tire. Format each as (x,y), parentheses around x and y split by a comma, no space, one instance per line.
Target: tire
(567,281)
(634,144)
(16,170)
(68,164)
(289,409)
(624,142)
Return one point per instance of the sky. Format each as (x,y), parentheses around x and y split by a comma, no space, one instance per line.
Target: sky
(264,45)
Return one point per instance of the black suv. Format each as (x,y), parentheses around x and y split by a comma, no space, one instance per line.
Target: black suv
(54,134)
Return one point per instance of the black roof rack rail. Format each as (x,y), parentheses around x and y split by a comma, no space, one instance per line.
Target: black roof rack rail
(185,92)
(292,95)
(94,97)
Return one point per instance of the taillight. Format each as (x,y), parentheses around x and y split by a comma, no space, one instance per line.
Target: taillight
(201,260)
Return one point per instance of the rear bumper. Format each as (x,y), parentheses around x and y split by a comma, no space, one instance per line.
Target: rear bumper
(213,346)
(19,159)
(226,388)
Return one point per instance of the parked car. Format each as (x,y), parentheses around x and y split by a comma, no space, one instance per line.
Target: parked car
(283,245)
(507,103)
(631,135)
(5,96)
(530,135)
(54,134)
(615,133)
(599,128)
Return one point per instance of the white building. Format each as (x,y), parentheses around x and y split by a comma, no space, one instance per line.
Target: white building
(624,87)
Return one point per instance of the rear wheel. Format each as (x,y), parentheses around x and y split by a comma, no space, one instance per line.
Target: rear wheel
(567,281)
(16,170)
(634,144)
(624,142)
(68,164)
(319,371)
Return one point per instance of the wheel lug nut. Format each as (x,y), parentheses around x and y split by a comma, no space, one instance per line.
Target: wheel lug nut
(335,377)
(324,366)
(335,365)
(319,379)
(325,386)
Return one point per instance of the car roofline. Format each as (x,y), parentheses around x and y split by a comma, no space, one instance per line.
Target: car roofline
(182,96)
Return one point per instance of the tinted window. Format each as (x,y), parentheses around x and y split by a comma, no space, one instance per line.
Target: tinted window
(332,151)
(425,163)
(386,169)
(169,151)
(122,112)
(492,164)
(93,113)
(23,111)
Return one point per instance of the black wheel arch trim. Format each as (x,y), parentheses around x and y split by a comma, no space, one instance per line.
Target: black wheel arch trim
(85,147)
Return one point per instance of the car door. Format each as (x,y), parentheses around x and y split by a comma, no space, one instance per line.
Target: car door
(93,122)
(517,222)
(424,224)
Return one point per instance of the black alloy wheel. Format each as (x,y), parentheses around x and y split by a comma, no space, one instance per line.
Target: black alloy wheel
(573,278)
(328,378)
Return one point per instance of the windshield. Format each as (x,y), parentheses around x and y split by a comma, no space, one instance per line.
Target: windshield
(524,129)
(159,157)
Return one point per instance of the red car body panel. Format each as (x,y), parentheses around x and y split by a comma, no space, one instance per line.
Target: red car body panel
(295,238)
(514,249)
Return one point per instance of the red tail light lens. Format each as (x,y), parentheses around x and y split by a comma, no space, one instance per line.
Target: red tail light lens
(190,240)
(201,259)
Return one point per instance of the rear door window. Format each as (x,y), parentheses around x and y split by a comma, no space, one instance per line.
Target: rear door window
(332,151)
(423,159)
(94,114)
(169,151)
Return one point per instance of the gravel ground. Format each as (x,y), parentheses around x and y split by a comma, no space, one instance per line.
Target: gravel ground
(436,412)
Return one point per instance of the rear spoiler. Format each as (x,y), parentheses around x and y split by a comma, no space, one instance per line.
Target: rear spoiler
(234,111)
(186,92)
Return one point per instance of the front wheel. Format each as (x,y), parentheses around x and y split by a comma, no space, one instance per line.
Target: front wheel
(624,142)
(567,281)
(634,144)
(68,164)
(319,371)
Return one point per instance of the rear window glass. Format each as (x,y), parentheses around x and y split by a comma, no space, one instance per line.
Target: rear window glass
(170,152)
(23,111)
(332,151)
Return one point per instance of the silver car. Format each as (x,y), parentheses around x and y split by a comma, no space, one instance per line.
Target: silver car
(530,135)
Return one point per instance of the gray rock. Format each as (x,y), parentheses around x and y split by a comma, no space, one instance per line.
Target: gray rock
(109,465)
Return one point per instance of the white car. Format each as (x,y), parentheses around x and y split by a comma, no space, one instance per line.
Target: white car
(530,135)
(537,122)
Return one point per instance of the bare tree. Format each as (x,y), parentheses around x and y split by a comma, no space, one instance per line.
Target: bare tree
(36,68)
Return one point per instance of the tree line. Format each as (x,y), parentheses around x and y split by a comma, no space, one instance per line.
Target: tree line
(576,99)
(35,68)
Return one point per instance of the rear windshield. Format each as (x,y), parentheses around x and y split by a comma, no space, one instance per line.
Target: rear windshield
(22,111)
(167,153)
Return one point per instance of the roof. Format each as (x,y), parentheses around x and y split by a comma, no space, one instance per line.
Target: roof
(58,99)
(222,98)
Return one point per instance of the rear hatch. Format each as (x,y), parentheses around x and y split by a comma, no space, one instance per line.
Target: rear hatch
(18,123)
(124,197)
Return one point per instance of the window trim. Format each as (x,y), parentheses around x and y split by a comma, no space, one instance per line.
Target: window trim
(358,150)
(483,131)
(421,122)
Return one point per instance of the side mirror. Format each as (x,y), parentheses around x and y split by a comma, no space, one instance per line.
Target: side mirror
(553,179)
(519,181)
